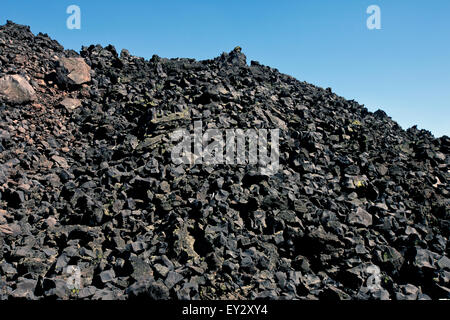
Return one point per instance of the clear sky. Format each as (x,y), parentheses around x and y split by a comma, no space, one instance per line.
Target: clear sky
(404,68)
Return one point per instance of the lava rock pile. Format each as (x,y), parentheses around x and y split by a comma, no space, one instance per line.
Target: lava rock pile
(359,208)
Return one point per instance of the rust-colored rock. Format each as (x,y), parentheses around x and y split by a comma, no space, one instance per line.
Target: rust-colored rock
(5,229)
(70,103)
(73,71)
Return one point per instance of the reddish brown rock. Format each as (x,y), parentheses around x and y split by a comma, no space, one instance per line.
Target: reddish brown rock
(60,161)
(73,71)
(5,229)
(70,103)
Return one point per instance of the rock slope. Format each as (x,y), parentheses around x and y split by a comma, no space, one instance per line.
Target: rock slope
(359,208)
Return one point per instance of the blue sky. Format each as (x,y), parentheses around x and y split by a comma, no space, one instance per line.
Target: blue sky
(404,68)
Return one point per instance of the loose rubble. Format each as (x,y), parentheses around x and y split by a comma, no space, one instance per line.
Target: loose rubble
(87,180)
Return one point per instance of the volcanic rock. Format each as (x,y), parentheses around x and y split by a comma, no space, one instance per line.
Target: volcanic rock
(70,104)
(360,217)
(358,208)
(73,71)
(15,89)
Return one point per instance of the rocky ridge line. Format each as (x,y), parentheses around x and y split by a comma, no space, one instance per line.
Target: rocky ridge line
(86,179)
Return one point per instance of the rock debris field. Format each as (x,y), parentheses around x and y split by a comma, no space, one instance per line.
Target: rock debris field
(359,208)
